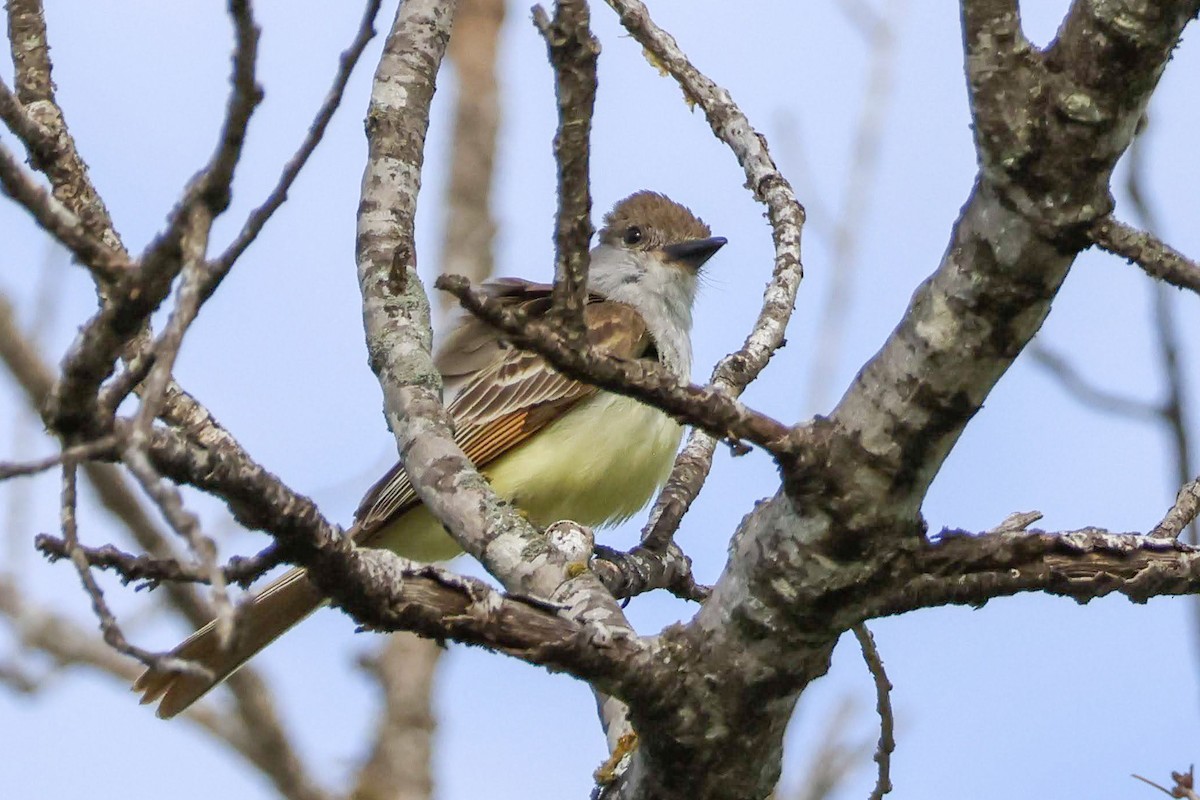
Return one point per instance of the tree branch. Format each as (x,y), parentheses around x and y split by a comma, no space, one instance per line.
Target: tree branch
(573,53)
(1156,258)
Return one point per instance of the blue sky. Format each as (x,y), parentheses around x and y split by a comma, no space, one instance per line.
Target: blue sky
(1027,696)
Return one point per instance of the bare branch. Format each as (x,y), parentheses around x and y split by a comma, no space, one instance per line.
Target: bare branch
(573,54)
(878,30)
(37,140)
(55,155)
(57,220)
(1158,259)
(1181,514)
(220,266)
(114,637)
(72,455)
(883,707)
(30,50)
(643,570)
(155,571)
(1087,394)
(399,765)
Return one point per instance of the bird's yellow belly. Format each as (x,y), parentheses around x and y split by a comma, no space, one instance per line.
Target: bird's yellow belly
(598,465)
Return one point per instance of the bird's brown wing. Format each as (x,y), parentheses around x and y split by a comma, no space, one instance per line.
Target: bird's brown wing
(505,399)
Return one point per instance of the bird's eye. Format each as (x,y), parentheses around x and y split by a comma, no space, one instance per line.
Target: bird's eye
(633,235)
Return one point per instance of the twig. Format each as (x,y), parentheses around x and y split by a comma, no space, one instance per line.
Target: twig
(573,53)
(1185,784)
(30,51)
(1155,257)
(37,140)
(71,455)
(1086,393)
(183,522)
(878,30)
(734,372)
(61,162)
(90,359)
(220,266)
(1181,514)
(154,571)
(883,707)
(57,220)
(111,631)
(1174,405)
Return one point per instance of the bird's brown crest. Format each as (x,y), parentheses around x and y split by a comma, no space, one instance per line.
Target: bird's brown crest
(662,221)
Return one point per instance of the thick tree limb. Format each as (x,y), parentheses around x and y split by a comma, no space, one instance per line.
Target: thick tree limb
(856,487)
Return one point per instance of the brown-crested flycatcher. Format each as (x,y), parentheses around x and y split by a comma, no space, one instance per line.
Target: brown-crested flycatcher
(555,447)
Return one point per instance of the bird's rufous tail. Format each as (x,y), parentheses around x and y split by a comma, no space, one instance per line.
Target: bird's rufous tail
(284,603)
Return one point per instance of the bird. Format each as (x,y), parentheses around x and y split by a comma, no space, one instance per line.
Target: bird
(554,447)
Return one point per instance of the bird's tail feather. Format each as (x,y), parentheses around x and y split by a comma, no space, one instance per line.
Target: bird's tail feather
(284,603)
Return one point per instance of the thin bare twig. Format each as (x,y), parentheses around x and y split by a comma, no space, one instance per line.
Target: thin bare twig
(573,53)
(878,29)
(883,707)
(58,220)
(1181,514)
(153,571)
(643,570)
(1087,393)
(114,637)
(71,455)
(220,266)
(1174,404)
(1155,257)
(183,522)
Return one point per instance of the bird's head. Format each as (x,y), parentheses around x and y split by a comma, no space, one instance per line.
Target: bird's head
(650,253)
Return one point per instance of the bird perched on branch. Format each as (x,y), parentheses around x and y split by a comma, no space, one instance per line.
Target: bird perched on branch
(555,447)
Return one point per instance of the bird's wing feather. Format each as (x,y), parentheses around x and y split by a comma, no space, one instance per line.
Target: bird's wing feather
(504,399)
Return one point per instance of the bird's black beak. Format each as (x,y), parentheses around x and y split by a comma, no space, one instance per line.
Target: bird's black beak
(695,252)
